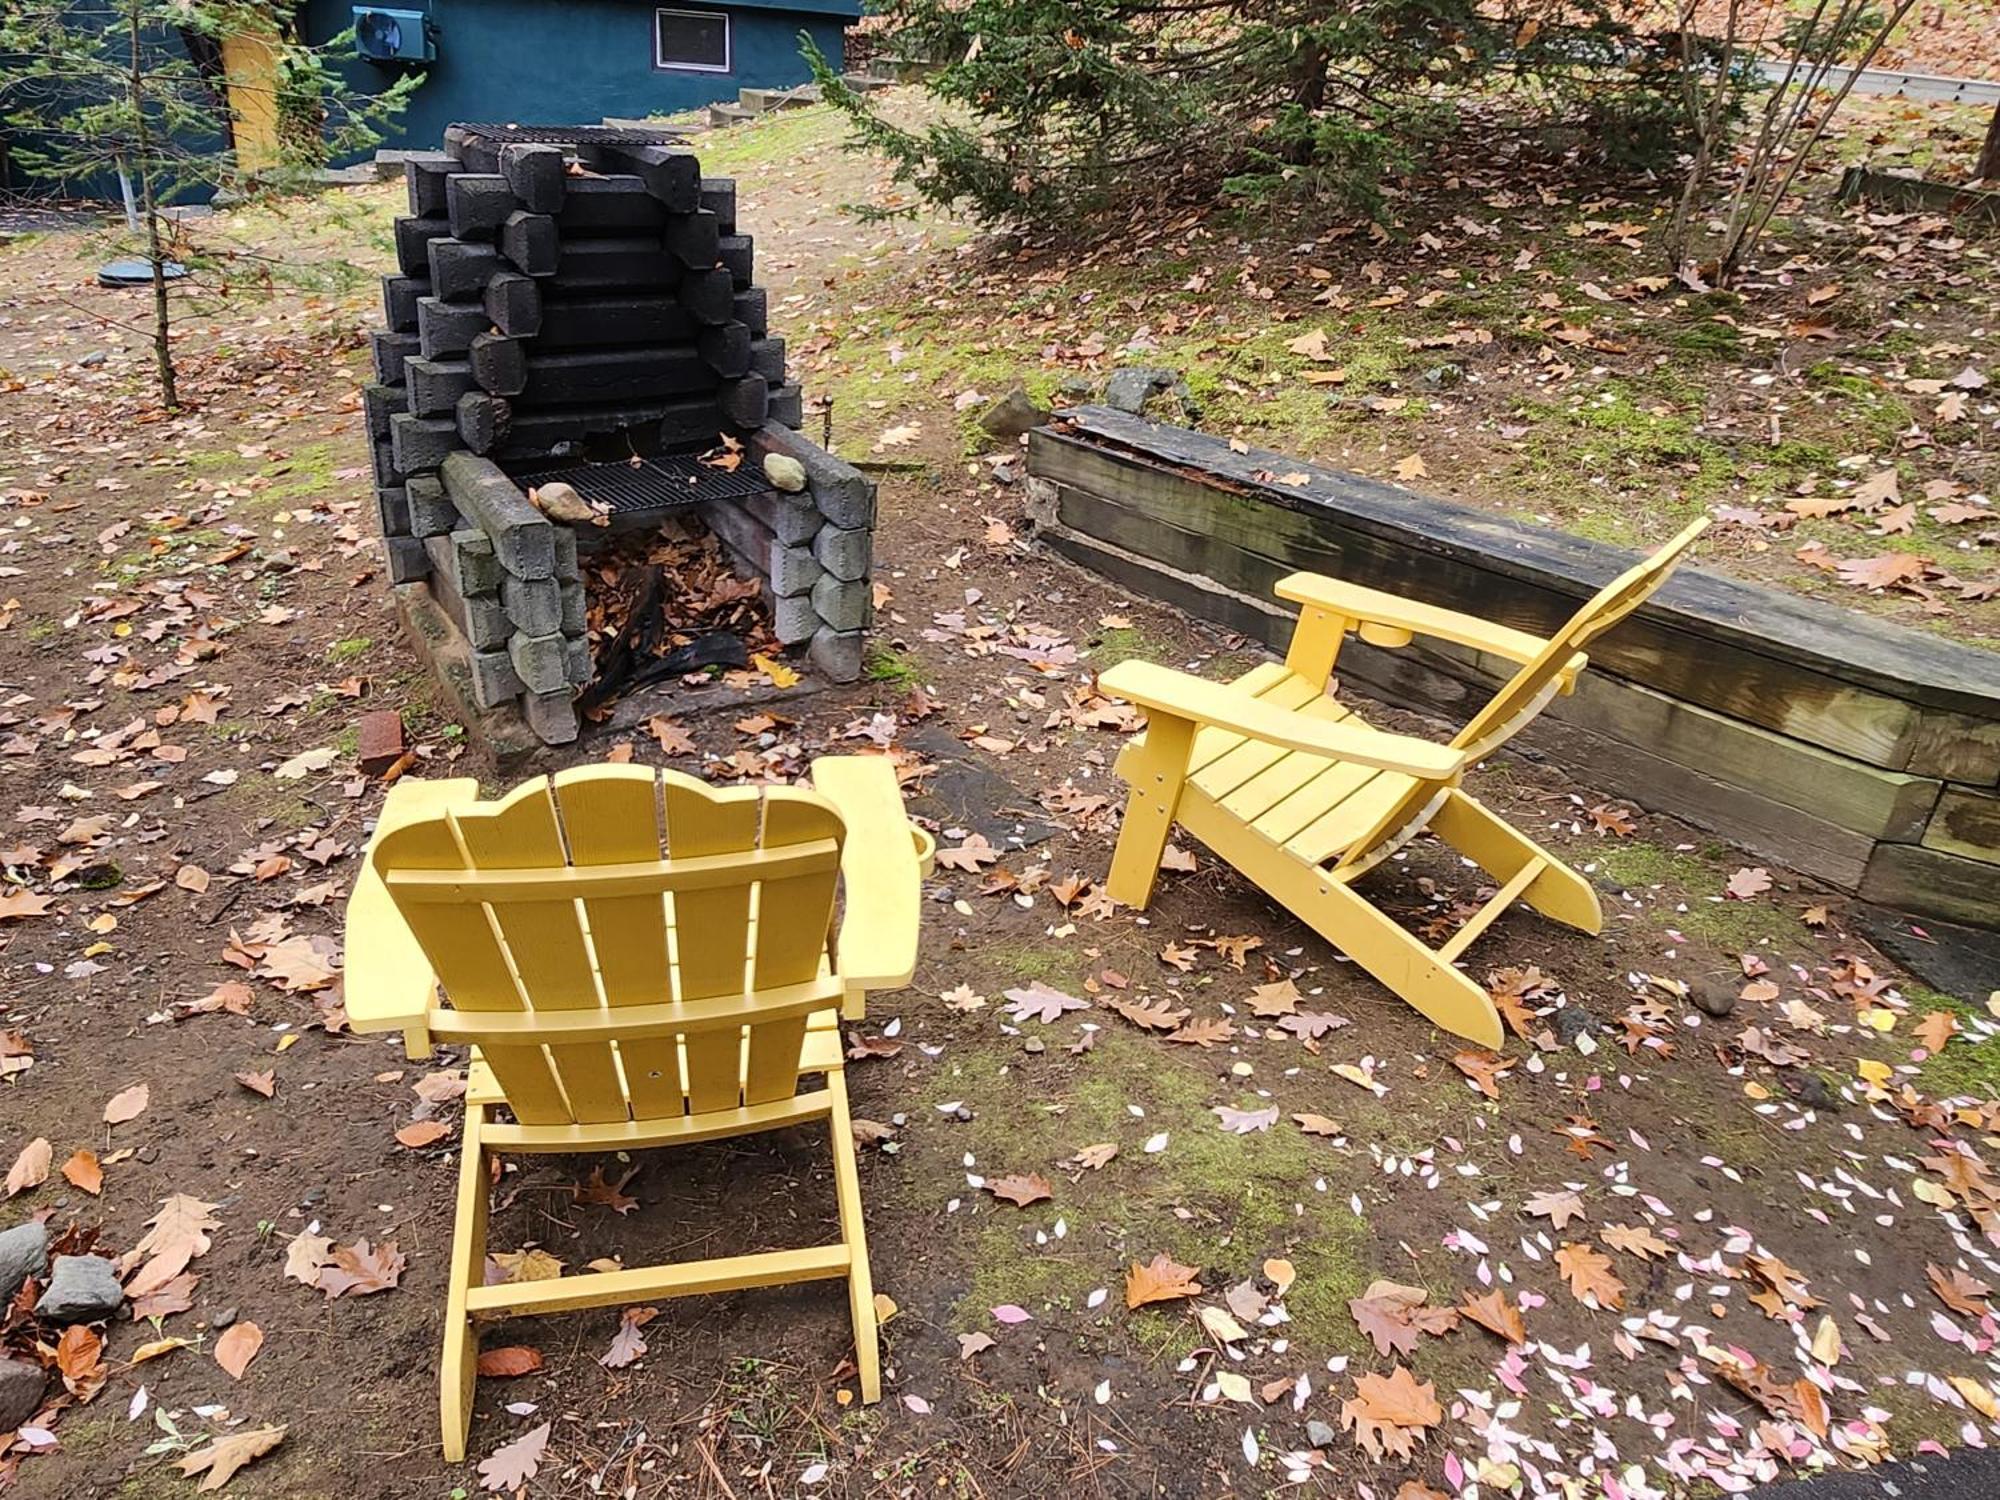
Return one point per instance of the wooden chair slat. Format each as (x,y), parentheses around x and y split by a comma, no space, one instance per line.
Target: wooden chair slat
(716,962)
(789,942)
(611,816)
(545,939)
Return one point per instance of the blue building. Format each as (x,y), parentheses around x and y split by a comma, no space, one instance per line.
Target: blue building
(574,62)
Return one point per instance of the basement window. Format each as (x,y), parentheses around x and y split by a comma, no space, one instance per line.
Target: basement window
(694,40)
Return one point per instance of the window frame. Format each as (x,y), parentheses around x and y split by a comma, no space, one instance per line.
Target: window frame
(660,63)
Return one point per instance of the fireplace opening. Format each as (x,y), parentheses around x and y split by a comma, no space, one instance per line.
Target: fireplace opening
(576,323)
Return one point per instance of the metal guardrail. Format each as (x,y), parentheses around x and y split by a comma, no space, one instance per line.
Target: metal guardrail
(1898,84)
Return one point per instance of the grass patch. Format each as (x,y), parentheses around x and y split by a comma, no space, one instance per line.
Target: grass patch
(348,648)
(885,664)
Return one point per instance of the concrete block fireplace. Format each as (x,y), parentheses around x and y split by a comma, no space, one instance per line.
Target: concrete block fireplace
(578,378)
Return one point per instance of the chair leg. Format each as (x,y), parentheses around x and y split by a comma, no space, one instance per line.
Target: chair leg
(1501,849)
(1156,773)
(458,1372)
(1401,961)
(860,1285)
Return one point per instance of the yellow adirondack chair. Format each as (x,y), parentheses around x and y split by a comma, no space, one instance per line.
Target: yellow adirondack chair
(605,1018)
(1290,786)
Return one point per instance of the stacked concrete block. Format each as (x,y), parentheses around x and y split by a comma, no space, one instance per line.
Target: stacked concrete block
(812,550)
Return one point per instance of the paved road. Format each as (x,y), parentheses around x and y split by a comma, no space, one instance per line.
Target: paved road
(1904,85)
(1967,1475)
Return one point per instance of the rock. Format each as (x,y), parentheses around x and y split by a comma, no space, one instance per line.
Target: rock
(24,1252)
(93,360)
(1442,376)
(1713,996)
(1813,1091)
(560,502)
(84,1289)
(1032,1044)
(22,1386)
(1012,415)
(785,472)
(1130,389)
(1319,1434)
(1075,389)
(1571,1022)
(222,1319)
(379,741)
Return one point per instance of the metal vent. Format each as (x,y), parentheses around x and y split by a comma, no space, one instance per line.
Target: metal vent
(672,482)
(577,135)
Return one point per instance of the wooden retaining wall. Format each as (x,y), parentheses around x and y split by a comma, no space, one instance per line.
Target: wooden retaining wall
(1857,752)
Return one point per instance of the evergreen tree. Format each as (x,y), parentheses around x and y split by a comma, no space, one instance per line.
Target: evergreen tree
(96,89)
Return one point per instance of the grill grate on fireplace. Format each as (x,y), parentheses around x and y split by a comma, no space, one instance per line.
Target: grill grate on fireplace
(576,135)
(669,483)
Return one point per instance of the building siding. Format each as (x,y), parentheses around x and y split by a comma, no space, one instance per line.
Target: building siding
(575,62)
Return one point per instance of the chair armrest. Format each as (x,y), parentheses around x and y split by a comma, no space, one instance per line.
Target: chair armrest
(1368,606)
(1179,695)
(388,984)
(882,864)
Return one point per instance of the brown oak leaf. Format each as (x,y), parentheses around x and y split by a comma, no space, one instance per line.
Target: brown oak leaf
(1590,1277)
(1162,1279)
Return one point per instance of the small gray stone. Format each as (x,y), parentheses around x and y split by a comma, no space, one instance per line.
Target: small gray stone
(1813,1091)
(82,1289)
(1012,415)
(1571,1022)
(1712,996)
(786,472)
(24,1252)
(22,1386)
(1130,389)
(1319,1434)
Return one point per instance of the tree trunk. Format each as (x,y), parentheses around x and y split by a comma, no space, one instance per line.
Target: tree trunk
(1989,155)
(163,354)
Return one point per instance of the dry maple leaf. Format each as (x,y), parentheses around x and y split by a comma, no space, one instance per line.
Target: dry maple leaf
(1093,1158)
(504,1266)
(1244,1121)
(512,1465)
(31,1167)
(1879,488)
(627,1344)
(971,856)
(1161,1279)
(1204,1033)
(1020,1188)
(1485,1069)
(1752,880)
(360,1269)
(305,1255)
(1959,1290)
(1634,1240)
(1274,1000)
(1394,1316)
(1038,1002)
(1390,1413)
(239,1344)
(179,1234)
(1937,1028)
(1496,1315)
(508,1361)
(1558,1208)
(220,1460)
(1590,1277)
(1150,1015)
(601,1194)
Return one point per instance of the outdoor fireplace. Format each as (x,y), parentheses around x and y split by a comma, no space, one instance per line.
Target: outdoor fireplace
(576,307)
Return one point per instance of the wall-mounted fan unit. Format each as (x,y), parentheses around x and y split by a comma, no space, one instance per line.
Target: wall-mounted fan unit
(394,36)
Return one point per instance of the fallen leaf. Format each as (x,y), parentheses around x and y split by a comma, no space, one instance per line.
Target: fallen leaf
(1160,1280)
(305,1254)
(239,1344)
(626,1343)
(1485,1069)
(1634,1240)
(1244,1121)
(127,1104)
(31,1167)
(1038,1002)
(1590,1277)
(360,1269)
(178,1234)
(508,1361)
(1389,1413)
(84,1172)
(1394,1316)
(1020,1188)
(1313,1124)
(1748,882)
(220,1460)
(1495,1314)
(265,1083)
(970,1344)
(1558,1207)
(1960,1291)
(1412,467)
(512,1465)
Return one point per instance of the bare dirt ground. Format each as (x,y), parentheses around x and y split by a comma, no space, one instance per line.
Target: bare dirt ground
(1780,1215)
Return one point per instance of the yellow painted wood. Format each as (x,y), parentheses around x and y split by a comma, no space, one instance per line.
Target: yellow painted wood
(877,941)
(674,1002)
(250,74)
(1485,917)
(458,1370)
(1352,924)
(516,840)
(1157,775)
(611,817)
(860,1285)
(649,1283)
(1305,798)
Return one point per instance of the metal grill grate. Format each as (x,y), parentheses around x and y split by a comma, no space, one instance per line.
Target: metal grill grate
(577,135)
(674,482)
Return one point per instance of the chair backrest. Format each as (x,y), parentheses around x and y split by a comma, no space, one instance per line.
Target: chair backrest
(626,943)
(1524,695)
